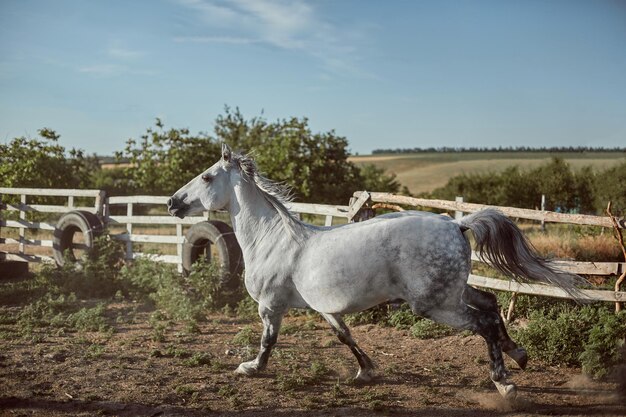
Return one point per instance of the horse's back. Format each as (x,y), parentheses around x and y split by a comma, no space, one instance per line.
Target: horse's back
(364,264)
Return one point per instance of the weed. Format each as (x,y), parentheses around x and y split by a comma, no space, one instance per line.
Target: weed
(247,308)
(318,371)
(428,329)
(184,390)
(94,351)
(176,352)
(245,337)
(290,328)
(198,359)
(402,318)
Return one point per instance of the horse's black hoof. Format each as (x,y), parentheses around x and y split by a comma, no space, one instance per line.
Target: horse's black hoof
(520,356)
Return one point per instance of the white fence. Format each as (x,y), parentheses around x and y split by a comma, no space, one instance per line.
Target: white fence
(576,267)
(131,221)
(24,207)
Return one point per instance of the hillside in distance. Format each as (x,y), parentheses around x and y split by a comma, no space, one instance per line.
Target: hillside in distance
(424,172)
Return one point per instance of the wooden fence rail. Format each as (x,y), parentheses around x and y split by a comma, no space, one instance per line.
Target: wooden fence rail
(576,267)
(545,216)
(102,206)
(24,208)
(130,202)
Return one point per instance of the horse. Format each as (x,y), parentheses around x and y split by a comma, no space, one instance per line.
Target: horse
(423,259)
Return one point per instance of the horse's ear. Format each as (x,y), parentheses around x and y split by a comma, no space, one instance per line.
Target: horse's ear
(226,153)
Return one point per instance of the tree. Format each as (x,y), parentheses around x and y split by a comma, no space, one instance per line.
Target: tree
(315,165)
(43,163)
(164,160)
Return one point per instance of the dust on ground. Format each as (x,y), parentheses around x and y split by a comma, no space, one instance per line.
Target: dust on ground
(149,368)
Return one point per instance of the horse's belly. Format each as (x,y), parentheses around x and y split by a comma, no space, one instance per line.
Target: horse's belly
(347,272)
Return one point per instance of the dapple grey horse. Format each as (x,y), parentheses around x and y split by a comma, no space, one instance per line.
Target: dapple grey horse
(420,258)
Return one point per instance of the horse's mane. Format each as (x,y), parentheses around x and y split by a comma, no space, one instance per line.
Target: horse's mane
(277,194)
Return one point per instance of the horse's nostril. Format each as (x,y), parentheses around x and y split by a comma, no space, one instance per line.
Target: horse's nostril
(169,202)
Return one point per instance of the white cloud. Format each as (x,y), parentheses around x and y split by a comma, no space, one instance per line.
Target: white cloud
(216,39)
(123,53)
(111,70)
(289,25)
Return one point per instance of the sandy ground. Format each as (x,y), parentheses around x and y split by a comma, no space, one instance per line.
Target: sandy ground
(142,369)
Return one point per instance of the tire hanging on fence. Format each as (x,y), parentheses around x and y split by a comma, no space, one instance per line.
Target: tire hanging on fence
(70,223)
(200,239)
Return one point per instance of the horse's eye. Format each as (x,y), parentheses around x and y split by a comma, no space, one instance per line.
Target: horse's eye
(206,178)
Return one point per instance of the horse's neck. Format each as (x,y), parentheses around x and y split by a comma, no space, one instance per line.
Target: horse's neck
(257,224)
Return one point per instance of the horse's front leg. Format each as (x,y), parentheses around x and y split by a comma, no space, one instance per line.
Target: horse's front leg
(366,368)
(271,325)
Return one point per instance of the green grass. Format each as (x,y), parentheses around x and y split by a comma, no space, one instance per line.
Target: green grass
(424,172)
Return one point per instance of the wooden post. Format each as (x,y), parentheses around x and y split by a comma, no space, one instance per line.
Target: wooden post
(620,239)
(70,201)
(100,203)
(458,214)
(543,208)
(328,221)
(179,247)
(22,229)
(509,313)
(129,229)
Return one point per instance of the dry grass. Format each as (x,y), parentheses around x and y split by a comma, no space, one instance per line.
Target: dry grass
(425,172)
(572,246)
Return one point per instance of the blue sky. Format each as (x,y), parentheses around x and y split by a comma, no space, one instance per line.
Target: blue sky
(385,74)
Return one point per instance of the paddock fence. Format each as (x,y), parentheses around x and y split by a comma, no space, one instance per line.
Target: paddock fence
(128,217)
(138,220)
(392,201)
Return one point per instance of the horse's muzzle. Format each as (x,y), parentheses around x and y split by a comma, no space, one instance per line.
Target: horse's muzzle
(177,207)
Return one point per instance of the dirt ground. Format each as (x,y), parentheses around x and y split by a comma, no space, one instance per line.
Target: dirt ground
(144,368)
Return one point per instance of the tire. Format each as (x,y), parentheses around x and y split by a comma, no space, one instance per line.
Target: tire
(71,222)
(214,238)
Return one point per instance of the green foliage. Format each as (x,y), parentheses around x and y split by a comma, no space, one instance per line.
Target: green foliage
(315,165)
(557,335)
(565,190)
(428,329)
(605,346)
(589,336)
(374,178)
(164,160)
(95,277)
(245,337)
(43,163)
(181,298)
(610,185)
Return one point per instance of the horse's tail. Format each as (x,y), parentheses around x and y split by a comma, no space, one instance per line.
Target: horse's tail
(501,243)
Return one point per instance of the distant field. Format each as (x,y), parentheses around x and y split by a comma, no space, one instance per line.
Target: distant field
(422,172)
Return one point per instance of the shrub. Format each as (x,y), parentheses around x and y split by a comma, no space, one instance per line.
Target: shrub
(590,336)
(605,346)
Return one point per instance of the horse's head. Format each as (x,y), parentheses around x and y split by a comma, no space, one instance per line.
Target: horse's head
(211,190)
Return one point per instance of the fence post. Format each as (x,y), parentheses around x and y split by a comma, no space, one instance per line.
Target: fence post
(458,214)
(179,246)
(100,203)
(22,229)
(129,229)
(543,208)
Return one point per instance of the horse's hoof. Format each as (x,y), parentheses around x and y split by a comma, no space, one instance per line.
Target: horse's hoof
(520,356)
(506,389)
(247,369)
(364,375)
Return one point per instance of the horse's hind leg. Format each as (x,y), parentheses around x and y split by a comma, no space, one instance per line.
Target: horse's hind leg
(366,368)
(486,324)
(271,325)
(484,301)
